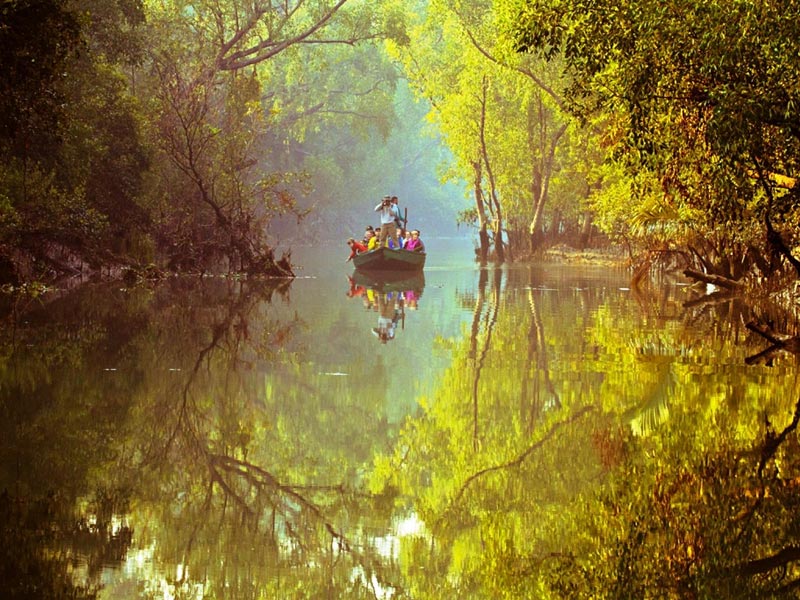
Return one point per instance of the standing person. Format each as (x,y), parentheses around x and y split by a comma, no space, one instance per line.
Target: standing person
(388,316)
(399,221)
(388,212)
(415,244)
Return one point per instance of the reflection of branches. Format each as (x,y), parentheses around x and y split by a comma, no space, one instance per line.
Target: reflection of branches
(290,504)
(538,346)
(228,332)
(771,445)
(477,312)
(780,559)
(264,480)
(190,543)
(250,492)
(491,320)
(773,442)
(778,343)
(522,457)
(183,414)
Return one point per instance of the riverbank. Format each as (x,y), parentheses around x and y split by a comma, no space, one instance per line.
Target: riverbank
(606,257)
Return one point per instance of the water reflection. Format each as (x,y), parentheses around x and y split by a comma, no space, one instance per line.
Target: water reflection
(527,432)
(389,294)
(593,440)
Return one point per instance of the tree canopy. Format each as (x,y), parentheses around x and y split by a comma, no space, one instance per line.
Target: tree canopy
(189,136)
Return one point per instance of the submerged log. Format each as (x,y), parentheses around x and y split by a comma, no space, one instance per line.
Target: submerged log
(718,280)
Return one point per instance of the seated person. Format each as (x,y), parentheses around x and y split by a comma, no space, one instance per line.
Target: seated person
(374,240)
(397,244)
(401,238)
(355,248)
(368,233)
(415,243)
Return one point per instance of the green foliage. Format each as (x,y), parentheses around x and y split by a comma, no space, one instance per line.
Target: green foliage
(703,94)
(74,159)
(41,210)
(502,116)
(179,132)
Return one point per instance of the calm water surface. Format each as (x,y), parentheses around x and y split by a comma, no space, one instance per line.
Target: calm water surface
(528,432)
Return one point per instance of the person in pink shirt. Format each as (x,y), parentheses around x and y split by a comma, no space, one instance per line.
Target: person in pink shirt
(415,244)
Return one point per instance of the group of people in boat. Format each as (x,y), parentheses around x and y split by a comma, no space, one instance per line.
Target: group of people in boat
(391,232)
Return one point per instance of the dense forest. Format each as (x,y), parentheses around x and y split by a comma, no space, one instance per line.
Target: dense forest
(140,137)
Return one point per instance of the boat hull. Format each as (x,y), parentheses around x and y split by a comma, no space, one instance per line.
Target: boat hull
(385,259)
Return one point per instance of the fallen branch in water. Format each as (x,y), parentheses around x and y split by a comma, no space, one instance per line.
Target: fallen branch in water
(718,280)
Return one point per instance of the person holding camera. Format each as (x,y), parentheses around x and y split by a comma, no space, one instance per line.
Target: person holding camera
(388,212)
(400,222)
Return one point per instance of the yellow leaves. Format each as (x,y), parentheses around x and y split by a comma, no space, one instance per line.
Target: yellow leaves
(383,474)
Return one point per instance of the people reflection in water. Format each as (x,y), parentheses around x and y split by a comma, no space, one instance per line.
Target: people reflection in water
(390,309)
(411,300)
(389,304)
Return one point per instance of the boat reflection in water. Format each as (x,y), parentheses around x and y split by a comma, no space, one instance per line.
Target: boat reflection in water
(390,294)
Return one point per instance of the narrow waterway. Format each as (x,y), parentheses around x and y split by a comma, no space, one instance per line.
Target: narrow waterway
(530,431)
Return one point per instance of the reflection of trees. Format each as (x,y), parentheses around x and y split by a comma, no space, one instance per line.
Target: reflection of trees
(58,527)
(482,323)
(607,494)
(536,363)
(190,405)
(705,522)
(268,496)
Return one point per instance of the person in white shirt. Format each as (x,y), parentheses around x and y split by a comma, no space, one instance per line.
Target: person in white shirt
(388,212)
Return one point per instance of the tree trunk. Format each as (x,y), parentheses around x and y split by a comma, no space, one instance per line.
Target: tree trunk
(778,245)
(542,154)
(555,227)
(497,225)
(586,231)
(483,235)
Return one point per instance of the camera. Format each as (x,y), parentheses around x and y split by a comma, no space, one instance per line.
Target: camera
(387,202)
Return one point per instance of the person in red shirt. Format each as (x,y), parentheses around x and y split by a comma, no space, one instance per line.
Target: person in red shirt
(355,248)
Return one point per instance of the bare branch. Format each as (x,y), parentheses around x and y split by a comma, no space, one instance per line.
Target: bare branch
(522,457)
(527,72)
(269,47)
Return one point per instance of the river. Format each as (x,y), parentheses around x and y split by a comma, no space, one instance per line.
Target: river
(533,431)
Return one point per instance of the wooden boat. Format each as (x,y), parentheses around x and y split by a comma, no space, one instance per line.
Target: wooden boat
(384,259)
